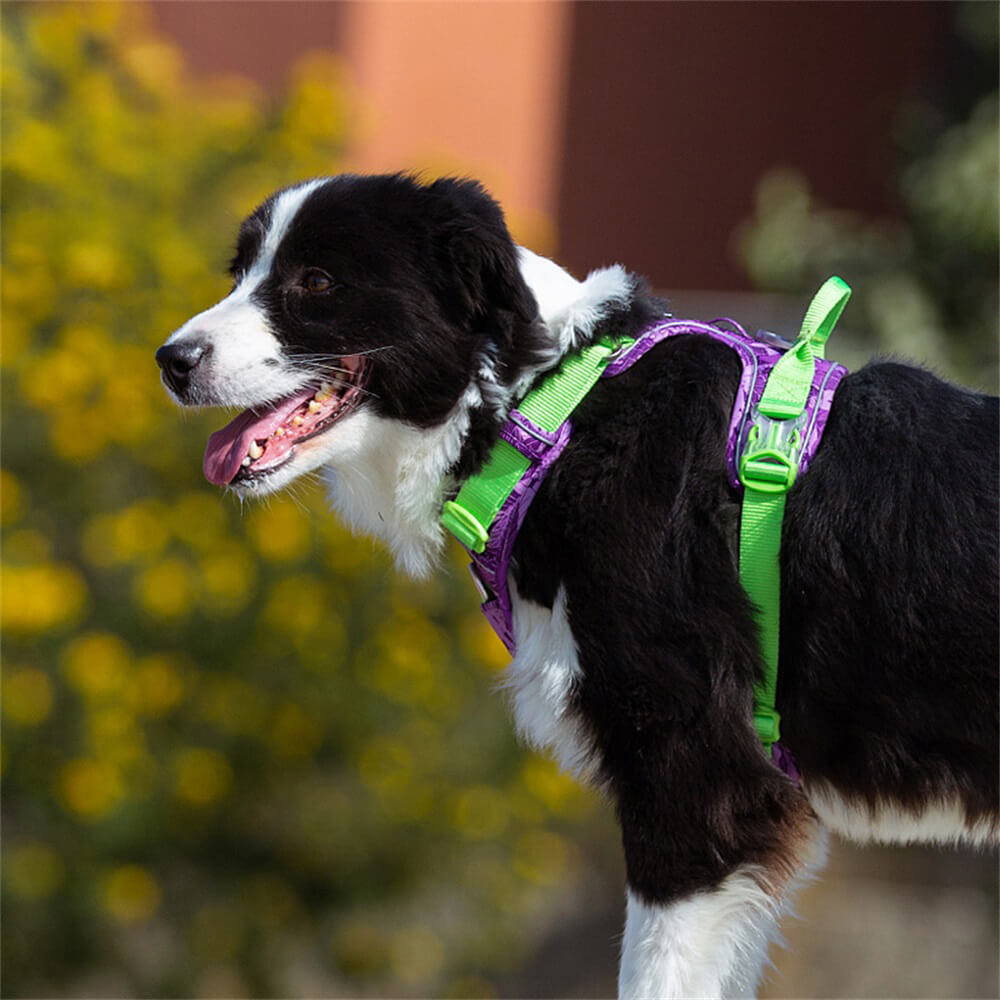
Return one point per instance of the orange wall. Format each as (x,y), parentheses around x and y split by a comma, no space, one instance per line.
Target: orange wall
(476,88)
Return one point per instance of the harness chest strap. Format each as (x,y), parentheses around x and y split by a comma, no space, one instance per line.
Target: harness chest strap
(778,418)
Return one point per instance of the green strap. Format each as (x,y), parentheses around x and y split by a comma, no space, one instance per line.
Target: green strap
(767,470)
(469,516)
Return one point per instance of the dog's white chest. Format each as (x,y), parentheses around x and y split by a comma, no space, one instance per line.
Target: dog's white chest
(542,677)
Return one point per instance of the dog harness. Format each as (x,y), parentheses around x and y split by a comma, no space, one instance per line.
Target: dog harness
(781,408)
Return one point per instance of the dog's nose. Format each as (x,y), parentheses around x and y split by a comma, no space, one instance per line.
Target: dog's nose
(177,361)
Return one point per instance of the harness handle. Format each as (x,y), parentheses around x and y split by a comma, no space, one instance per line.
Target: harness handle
(791,378)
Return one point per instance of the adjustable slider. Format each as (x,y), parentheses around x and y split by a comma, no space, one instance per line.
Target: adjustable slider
(464,526)
(767,722)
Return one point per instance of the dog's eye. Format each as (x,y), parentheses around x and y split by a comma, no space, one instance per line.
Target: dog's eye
(317,282)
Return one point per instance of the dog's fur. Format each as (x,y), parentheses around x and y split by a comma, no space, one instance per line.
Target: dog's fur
(636,646)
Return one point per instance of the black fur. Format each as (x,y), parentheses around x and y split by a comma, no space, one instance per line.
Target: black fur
(888,679)
(431,269)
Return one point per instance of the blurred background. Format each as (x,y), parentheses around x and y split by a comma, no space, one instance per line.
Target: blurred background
(241,756)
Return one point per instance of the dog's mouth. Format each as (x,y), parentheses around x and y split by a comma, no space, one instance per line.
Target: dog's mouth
(263,439)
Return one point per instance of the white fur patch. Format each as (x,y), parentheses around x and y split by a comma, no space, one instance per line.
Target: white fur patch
(245,366)
(711,944)
(569,308)
(388,480)
(938,823)
(541,678)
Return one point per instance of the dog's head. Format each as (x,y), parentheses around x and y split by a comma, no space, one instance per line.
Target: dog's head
(354,296)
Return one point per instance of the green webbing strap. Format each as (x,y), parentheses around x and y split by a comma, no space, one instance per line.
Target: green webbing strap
(469,516)
(767,470)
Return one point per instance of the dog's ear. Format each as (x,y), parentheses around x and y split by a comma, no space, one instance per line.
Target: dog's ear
(481,258)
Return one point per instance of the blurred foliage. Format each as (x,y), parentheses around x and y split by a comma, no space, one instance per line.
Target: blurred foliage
(241,756)
(925,285)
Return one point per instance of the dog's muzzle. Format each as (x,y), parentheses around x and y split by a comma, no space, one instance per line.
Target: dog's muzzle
(178,361)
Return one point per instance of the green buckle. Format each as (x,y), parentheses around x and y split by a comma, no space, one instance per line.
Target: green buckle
(770,461)
(464,526)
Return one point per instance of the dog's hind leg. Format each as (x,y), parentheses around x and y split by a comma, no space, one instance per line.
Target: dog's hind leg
(712,942)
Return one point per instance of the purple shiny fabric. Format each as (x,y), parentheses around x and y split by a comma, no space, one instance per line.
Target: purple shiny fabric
(758,356)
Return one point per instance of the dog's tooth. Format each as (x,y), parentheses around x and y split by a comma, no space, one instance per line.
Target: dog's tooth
(247,461)
(280,432)
(326,387)
(314,407)
(254,451)
(298,421)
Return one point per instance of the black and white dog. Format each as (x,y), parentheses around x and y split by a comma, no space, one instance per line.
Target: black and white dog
(380,330)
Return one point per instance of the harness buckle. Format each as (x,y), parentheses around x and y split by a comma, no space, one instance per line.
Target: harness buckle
(770,459)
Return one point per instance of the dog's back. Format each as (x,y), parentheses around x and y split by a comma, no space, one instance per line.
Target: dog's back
(890,610)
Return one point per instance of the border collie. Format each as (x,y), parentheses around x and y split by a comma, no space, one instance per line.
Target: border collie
(379,330)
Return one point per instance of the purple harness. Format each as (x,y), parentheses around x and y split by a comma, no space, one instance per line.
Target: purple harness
(490,568)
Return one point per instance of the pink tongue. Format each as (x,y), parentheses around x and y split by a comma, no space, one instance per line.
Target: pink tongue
(227,448)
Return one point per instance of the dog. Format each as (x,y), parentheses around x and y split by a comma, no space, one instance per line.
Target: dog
(379,332)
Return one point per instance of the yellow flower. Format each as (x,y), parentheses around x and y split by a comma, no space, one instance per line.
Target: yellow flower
(559,793)
(297,604)
(38,598)
(92,264)
(90,788)
(138,532)
(59,379)
(97,664)
(197,519)
(165,590)
(78,435)
(153,64)
(481,644)
(156,686)
(227,576)
(130,893)
(27,696)
(201,776)
(280,532)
